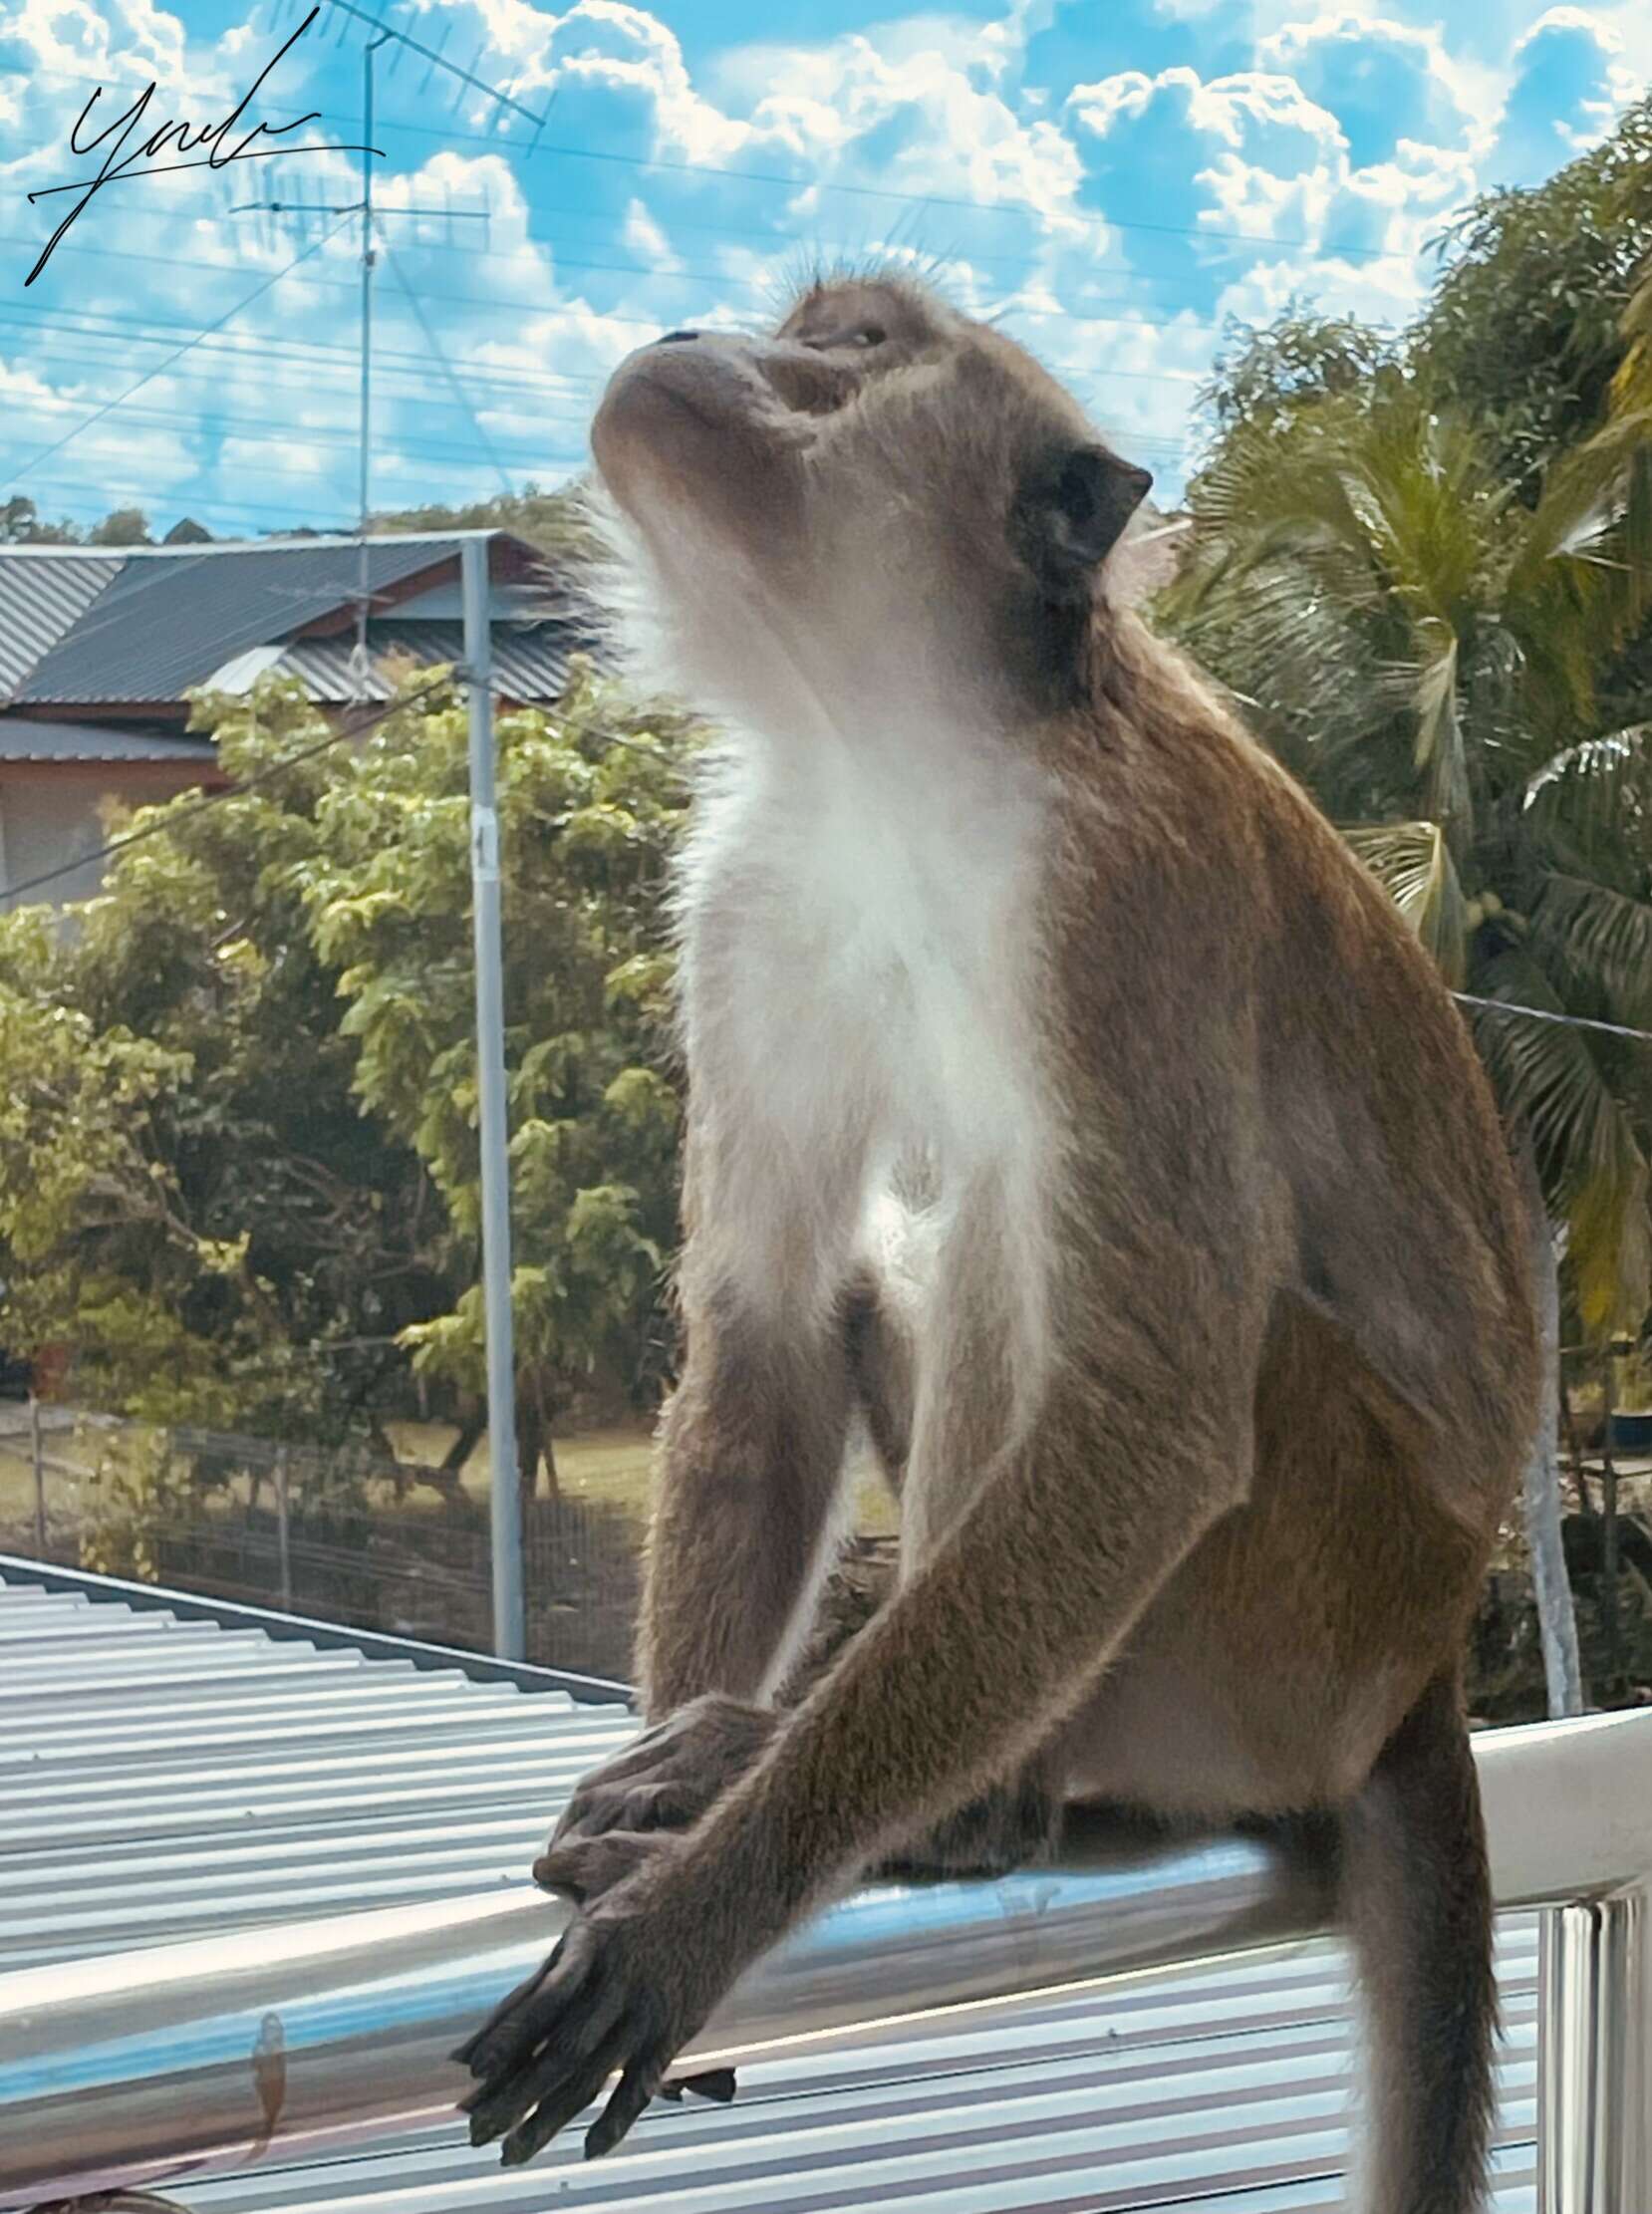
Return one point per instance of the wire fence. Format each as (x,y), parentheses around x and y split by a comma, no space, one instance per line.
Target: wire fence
(344,1536)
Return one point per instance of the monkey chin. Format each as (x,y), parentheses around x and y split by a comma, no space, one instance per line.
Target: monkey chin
(700,427)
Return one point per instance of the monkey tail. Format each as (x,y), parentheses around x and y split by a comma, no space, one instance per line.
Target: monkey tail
(1416,1900)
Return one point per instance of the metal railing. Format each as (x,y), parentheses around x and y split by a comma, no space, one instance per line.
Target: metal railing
(146,2066)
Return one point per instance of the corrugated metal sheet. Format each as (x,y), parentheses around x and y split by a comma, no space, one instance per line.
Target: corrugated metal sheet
(22,738)
(162,625)
(530,660)
(160,1778)
(40,597)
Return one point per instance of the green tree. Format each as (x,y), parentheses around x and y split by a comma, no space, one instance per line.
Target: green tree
(240,1170)
(1424,652)
(1265,374)
(552,521)
(588,798)
(1525,327)
(124,526)
(252,1252)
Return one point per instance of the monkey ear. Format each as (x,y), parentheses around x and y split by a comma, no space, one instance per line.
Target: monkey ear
(1074,511)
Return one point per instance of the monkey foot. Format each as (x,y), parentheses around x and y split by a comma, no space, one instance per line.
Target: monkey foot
(1014,1826)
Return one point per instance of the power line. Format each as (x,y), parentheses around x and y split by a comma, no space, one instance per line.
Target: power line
(98,414)
(516,306)
(68,343)
(1547,1015)
(1025,209)
(512,382)
(210,799)
(448,370)
(580,725)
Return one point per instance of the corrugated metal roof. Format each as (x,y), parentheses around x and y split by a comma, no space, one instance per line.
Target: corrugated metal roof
(39,600)
(161,626)
(530,660)
(22,738)
(162,1778)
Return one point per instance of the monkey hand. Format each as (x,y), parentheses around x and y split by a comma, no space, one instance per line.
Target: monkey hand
(671,1773)
(636,1975)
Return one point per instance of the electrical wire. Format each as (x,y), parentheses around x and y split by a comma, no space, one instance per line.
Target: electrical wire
(586,726)
(1026,210)
(113,846)
(110,406)
(1549,1014)
(579,726)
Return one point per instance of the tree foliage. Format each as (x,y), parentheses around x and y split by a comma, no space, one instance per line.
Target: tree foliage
(1424,568)
(238,1169)
(587,803)
(1526,328)
(552,521)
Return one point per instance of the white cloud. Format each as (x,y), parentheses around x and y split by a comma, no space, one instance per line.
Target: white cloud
(1568,84)
(1383,80)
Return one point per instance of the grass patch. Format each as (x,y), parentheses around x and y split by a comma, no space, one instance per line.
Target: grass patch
(615,1468)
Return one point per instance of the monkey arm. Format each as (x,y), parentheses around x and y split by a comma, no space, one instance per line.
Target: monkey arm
(752,1455)
(961,1675)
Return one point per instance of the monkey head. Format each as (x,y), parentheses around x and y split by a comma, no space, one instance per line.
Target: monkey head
(885,509)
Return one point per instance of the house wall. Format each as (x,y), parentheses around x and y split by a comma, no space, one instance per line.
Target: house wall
(50,816)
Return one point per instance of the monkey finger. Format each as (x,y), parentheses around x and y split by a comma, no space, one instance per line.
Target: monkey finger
(585,1867)
(520,2020)
(635,2089)
(558,2097)
(466,2053)
(541,2074)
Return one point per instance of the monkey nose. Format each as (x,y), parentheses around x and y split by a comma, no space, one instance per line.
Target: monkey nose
(676,338)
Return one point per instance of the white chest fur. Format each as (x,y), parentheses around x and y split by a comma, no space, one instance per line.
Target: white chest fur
(860,987)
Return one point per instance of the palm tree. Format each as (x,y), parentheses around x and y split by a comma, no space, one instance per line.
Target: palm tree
(1425,651)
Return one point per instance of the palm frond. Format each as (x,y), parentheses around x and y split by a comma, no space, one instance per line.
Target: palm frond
(1599,936)
(1551,1079)
(1413,864)
(1439,744)
(1590,805)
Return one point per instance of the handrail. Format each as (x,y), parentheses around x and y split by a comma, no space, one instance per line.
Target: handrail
(145,2067)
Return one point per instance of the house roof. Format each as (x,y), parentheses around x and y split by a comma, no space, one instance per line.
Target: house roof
(40,600)
(530,660)
(140,626)
(163,1777)
(26,738)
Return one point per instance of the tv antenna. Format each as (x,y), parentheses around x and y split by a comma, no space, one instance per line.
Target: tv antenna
(501,102)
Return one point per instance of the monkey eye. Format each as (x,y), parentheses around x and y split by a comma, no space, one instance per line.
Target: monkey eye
(864,335)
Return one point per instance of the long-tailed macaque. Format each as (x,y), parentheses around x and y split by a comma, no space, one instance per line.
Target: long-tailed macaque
(1064,1099)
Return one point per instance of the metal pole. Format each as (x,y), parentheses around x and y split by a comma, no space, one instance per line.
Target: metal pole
(283,1534)
(40,1476)
(1610,1687)
(509,1630)
(1595,2057)
(364,440)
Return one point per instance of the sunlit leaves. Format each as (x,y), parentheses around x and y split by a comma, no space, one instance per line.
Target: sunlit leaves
(1413,863)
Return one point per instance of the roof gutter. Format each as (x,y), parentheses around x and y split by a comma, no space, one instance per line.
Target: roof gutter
(152,2066)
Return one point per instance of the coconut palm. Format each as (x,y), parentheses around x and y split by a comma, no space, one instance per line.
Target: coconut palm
(1424,651)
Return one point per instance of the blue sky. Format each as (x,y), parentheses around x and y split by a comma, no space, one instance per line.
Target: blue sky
(1113,177)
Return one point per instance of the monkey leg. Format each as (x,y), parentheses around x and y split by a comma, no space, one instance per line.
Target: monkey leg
(1016,1824)
(1416,1904)
(752,1453)
(880,1352)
